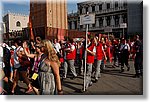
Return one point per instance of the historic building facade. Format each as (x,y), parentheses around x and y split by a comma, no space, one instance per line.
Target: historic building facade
(109,16)
(15,22)
(73,21)
(15,26)
(49,18)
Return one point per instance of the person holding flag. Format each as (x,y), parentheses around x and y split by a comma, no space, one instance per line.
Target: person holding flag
(91,51)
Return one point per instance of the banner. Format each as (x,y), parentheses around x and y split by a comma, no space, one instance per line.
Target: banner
(30,27)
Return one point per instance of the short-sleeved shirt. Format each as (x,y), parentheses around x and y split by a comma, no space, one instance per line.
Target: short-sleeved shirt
(16,61)
(57,47)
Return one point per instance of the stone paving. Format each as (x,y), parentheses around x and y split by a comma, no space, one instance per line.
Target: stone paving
(112,82)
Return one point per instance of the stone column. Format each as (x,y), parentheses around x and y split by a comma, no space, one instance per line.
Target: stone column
(97,8)
(97,22)
(112,21)
(104,6)
(83,10)
(120,19)
(90,9)
(112,4)
(120,3)
(104,22)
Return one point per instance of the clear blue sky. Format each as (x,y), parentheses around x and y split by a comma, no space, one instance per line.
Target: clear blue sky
(23,6)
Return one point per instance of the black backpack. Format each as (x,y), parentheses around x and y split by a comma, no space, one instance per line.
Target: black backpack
(6,56)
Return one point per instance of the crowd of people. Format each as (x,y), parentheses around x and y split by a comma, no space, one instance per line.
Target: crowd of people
(38,62)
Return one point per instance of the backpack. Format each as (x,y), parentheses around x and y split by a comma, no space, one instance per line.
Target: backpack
(6,56)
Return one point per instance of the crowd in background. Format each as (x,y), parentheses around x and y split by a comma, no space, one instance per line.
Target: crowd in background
(39,63)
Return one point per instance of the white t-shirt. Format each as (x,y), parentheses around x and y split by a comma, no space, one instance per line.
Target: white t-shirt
(125,47)
(57,47)
(16,61)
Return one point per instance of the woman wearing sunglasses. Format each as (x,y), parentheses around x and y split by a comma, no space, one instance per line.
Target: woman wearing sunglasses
(38,55)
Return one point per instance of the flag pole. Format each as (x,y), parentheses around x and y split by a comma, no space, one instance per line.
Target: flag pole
(85,54)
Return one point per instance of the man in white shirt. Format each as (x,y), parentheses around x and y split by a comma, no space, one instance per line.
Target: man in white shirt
(125,50)
(70,58)
(57,47)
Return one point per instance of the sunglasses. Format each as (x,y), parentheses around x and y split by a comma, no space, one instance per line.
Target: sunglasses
(37,47)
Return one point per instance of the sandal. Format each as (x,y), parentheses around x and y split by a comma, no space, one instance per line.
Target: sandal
(29,90)
(12,92)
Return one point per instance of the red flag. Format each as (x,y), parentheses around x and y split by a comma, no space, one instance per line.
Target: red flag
(30,27)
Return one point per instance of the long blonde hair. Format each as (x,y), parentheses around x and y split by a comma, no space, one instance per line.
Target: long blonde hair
(50,52)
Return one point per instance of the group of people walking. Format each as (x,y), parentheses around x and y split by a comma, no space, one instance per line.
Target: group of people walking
(45,65)
(39,62)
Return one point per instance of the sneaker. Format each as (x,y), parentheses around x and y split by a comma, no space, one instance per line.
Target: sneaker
(99,76)
(122,70)
(11,80)
(64,77)
(90,84)
(96,80)
(82,90)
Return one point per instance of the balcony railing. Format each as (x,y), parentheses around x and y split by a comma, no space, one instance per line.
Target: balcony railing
(110,10)
(101,28)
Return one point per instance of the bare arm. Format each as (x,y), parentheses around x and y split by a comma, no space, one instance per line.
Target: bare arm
(88,51)
(104,53)
(57,76)
(26,52)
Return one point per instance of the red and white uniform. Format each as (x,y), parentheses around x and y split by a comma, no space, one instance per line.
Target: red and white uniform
(99,51)
(90,57)
(71,55)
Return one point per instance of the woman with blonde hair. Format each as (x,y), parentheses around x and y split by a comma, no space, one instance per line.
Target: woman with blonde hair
(49,71)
